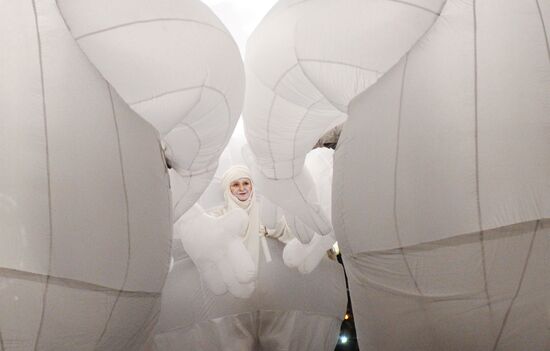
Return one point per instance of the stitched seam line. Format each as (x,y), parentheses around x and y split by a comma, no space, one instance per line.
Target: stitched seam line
(415,5)
(269,115)
(203,86)
(190,176)
(149,21)
(127,210)
(395,173)
(516,294)
(72,283)
(44,114)
(296,133)
(338,63)
(297,3)
(140,329)
(543,28)
(476,146)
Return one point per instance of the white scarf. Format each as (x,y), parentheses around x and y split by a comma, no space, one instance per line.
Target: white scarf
(251,237)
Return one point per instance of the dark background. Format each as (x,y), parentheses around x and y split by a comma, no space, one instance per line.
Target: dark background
(348,325)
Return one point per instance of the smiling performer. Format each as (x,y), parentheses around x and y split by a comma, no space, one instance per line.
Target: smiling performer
(238,192)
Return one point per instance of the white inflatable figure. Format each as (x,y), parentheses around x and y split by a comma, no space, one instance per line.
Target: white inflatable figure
(85,213)
(306,250)
(298,87)
(458,189)
(441,185)
(280,314)
(215,245)
(298,196)
(86,201)
(319,163)
(230,262)
(306,257)
(178,67)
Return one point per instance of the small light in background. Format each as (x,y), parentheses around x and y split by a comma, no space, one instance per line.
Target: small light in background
(344,339)
(336,248)
(346,317)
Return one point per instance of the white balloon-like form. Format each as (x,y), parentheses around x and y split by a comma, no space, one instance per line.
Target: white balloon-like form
(456,194)
(306,257)
(306,249)
(85,213)
(215,245)
(85,206)
(282,309)
(441,191)
(299,87)
(178,67)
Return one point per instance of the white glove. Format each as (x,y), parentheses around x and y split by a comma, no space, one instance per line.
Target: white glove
(306,257)
(215,245)
(296,195)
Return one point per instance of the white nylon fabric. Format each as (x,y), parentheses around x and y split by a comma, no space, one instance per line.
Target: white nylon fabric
(216,246)
(298,87)
(462,149)
(442,187)
(85,201)
(281,311)
(433,296)
(442,173)
(305,247)
(282,314)
(215,243)
(85,213)
(178,67)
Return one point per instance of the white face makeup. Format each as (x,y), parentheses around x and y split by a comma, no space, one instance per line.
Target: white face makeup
(241,188)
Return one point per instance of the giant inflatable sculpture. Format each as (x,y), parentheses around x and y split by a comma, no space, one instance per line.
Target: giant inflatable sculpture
(92,95)
(178,67)
(441,194)
(288,69)
(281,310)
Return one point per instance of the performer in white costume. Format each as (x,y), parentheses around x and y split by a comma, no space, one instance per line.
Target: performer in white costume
(278,313)
(238,189)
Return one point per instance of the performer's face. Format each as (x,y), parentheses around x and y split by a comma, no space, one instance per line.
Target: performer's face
(241,188)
